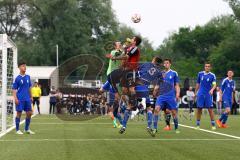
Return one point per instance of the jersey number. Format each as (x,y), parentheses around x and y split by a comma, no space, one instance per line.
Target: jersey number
(152,71)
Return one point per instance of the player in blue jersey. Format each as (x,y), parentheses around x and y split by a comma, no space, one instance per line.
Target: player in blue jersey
(206,84)
(169,91)
(107,87)
(171,77)
(148,73)
(226,96)
(22,96)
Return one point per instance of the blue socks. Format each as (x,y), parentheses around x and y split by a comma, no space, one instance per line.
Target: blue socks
(175,120)
(155,121)
(198,122)
(212,122)
(17,121)
(149,119)
(27,123)
(224,117)
(125,118)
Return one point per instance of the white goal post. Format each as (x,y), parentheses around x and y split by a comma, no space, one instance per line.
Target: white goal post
(8,66)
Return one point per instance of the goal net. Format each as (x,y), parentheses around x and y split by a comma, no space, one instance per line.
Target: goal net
(8,66)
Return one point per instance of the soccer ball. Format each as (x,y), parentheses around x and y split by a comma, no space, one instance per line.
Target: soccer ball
(136,18)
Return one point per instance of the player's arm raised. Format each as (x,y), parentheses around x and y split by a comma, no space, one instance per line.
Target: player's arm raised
(121,57)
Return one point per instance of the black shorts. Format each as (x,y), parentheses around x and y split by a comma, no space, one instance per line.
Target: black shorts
(122,77)
(151,103)
(36,101)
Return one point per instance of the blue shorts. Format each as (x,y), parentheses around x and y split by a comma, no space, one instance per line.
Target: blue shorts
(204,101)
(24,106)
(227,103)
(142,91)
(166,103)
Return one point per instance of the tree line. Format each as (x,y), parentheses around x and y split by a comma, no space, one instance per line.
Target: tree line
(87,26)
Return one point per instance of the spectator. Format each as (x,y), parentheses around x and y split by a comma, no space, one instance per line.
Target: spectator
(237,98)
(53,100)
(36,94)
(190,99)
(218,102)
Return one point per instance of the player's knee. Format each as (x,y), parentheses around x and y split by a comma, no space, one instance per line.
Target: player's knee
(149,109)
(132,90)
(101,90)
(174,113)
(228,110)
(157,109)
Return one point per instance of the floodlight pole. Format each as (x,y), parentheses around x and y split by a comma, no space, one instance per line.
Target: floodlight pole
(57,54)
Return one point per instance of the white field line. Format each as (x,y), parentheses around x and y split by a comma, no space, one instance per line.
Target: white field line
(13,127)
(185,126)
(87,140)
(212,132)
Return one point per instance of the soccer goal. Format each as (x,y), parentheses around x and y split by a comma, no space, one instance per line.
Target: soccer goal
(8,66)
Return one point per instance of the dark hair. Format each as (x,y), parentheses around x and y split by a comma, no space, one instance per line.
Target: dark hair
(21,63)
(115,43)
(138,40)
(158,60)
(168,59)
(207,62)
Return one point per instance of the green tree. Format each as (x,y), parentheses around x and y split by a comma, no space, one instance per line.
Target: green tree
(12,17)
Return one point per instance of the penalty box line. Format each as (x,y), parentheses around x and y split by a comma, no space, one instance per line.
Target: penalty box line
(212,132)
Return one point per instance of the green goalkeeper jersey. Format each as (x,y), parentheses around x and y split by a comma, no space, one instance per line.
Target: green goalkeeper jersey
(114,64)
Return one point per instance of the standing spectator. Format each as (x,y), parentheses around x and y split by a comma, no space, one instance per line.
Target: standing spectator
(218,102)
(102,107)
(36,94)
(237,98)
(53,100)
(58,95)
(190,99)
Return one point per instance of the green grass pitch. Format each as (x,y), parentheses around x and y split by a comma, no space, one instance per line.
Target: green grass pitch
(96,140)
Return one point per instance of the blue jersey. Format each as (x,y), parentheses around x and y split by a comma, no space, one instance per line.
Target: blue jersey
(22,84)
(171,78)
(149,73)
(206,81)
(227,87)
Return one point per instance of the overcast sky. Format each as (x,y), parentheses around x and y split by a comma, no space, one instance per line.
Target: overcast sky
(161,17)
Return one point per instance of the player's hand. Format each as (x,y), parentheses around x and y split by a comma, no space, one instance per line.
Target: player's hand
(16,101)
(177,98)
(32,99)
(108,56)
(211,92)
